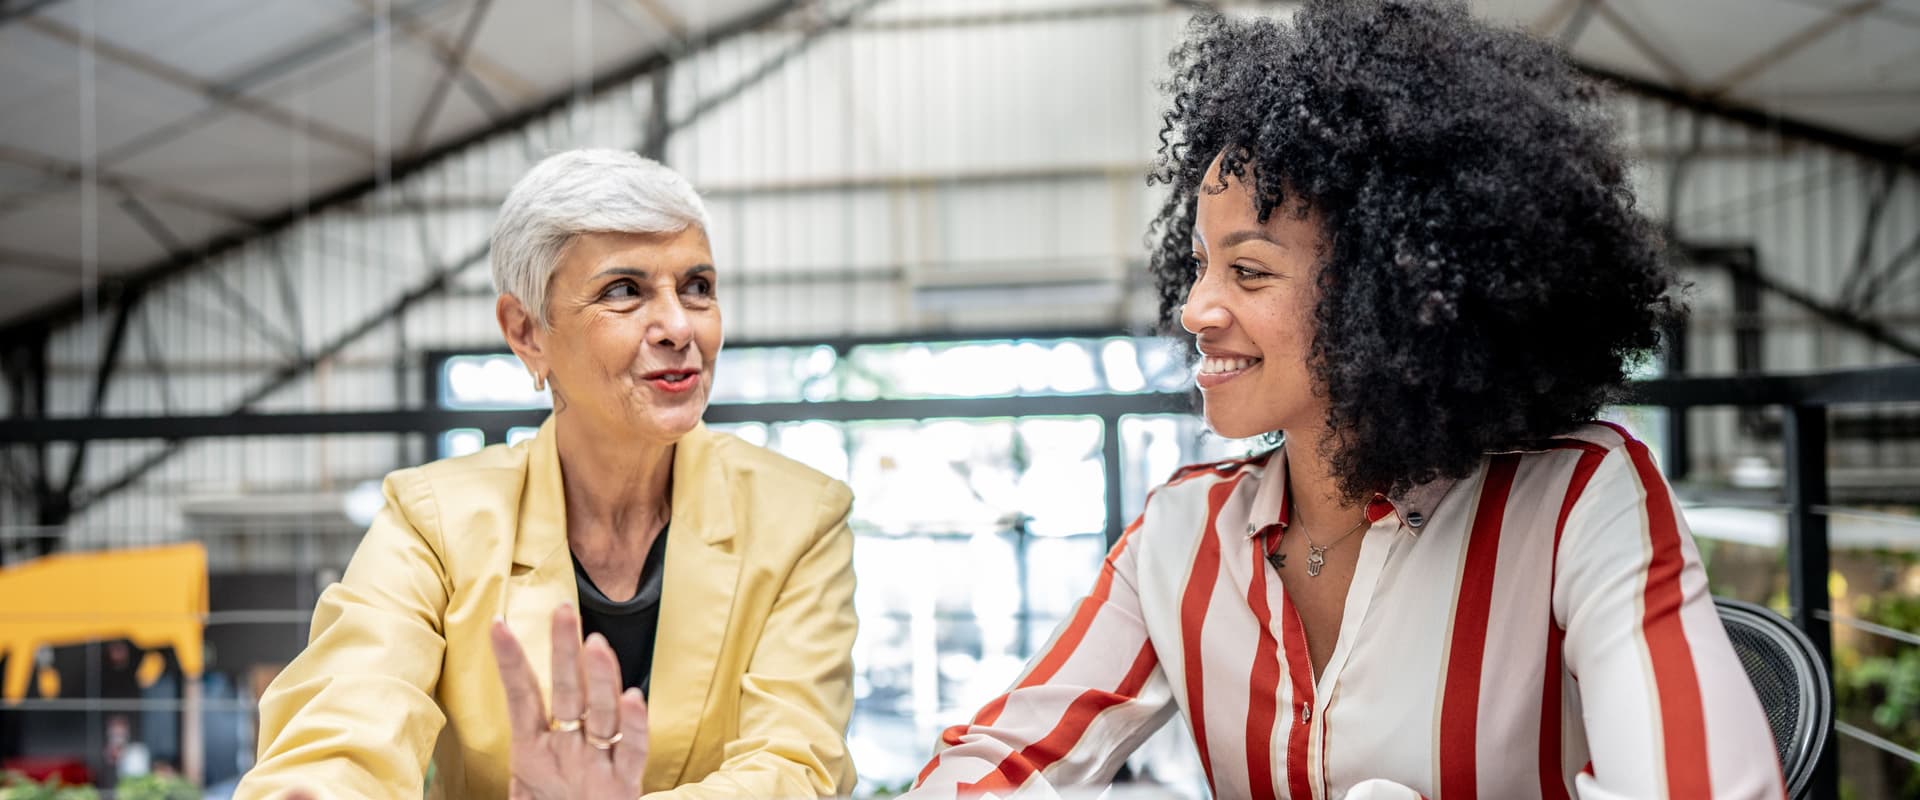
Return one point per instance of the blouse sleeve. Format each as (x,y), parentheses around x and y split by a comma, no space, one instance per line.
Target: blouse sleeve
(1087,700)
(1667,707)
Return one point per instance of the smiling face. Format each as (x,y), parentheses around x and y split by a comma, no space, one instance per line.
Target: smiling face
(633,331)
(1251,310)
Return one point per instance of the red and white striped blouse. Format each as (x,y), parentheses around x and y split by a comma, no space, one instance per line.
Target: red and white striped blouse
(1539,629)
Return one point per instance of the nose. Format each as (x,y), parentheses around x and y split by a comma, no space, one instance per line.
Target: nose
(1203,309)
(670,327)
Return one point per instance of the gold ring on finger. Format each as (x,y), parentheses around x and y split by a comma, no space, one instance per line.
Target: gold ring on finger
(566,725)
(603,744)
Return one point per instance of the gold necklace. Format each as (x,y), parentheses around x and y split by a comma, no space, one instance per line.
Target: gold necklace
(1317,555)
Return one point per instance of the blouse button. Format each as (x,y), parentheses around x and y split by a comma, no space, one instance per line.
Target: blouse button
(1416,519)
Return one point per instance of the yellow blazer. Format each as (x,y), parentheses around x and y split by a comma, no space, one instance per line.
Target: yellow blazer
(752,667)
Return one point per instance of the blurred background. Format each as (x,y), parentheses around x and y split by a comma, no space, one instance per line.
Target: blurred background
(243,251)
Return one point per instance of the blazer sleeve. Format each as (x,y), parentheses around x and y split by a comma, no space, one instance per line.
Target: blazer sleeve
(1667,708)
(797,695)
(354,714)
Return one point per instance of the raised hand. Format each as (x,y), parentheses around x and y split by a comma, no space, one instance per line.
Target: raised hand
(594,744)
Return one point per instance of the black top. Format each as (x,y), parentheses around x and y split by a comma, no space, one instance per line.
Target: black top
(628,626)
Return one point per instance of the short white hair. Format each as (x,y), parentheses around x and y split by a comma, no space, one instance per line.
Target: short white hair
(576,192)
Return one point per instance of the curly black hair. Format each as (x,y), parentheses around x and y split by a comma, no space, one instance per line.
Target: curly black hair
(1487,277)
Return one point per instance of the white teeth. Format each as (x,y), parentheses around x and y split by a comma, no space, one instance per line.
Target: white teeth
(1213,365)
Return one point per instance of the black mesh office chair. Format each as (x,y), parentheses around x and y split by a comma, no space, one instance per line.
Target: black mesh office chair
(1791,682)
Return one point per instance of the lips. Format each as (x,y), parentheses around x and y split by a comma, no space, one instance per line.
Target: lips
(673,380)
(1218,369)
(1215,365)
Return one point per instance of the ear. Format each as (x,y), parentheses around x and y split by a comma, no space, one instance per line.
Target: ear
(521,332)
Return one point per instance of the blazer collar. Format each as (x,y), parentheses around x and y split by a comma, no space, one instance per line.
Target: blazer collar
(696,605)
(702,501)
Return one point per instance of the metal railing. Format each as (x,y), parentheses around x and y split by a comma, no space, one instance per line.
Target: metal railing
(1804,400)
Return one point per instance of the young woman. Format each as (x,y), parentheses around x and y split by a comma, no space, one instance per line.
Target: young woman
(1407,241)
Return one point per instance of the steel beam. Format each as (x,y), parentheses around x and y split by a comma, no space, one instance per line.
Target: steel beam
(11,11)
(1679,461)
(1111,464)
(156,363)
(1870,291)
(1760,120)
(1668,68)
(67,172)
(73,307)
(1740,261)
(455,65)
(474,65)
(40,263)
(102,381)
(1808,562)
(23,362)
(1899,384)
(439,280)
(1793,43)
(236,302)
(654,146)
(1576,25)
(289,300)
(433,421)
(179,78)
(1860,277)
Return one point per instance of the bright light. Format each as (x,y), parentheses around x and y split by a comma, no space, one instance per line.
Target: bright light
(462,442)
(1072,369)
(364,501)
(494,381)
(820,445)
(1121,360)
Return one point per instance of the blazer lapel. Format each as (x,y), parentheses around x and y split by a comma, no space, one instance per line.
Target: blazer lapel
(541,576)
(696,605)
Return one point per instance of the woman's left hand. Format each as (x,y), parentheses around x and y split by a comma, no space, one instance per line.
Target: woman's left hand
(595,743)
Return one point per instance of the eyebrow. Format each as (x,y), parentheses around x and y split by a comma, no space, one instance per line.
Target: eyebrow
(1246,235)
(636,272)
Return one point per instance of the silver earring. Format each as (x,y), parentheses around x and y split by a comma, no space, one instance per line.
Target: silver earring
(539,383)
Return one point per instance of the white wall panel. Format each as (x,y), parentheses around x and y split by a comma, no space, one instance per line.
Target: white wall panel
(876,164)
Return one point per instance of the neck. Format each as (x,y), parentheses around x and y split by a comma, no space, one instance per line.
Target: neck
(1313,491)
(617,489)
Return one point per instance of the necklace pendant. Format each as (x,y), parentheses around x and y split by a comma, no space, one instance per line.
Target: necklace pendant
(1316,558)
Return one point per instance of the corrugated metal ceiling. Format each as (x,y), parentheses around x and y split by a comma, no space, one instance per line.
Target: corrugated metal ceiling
(203,119)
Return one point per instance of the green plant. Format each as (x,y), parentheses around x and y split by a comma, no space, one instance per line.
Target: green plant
(884,790)
(15,786)
(1881,690)
(155,787)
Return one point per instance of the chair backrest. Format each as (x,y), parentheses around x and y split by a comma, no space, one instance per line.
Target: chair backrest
(1792,683)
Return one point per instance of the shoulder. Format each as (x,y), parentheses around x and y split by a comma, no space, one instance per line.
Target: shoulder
(1213,472)
(1594,436)
(763,477)
(1194,488)
(1592,444)
(452,493)
(491,470)
(1597,465)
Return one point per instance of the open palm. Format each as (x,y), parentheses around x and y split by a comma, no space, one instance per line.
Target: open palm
(594,745)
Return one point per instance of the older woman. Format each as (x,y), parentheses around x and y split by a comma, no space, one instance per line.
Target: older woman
(1407,241)
(716,660)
